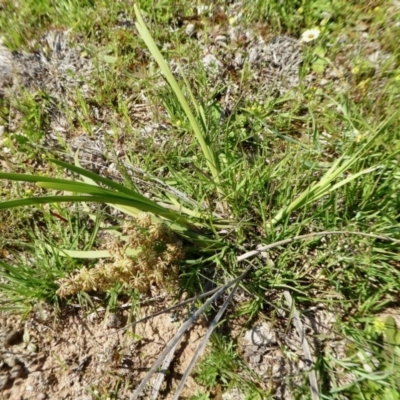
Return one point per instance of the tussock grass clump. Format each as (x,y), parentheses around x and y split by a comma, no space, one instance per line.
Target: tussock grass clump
(156,262)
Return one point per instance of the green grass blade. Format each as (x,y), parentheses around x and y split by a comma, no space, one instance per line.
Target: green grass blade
(178,224)
(79,187)
(205,147)
(32,201)
(128,197)
(97,178)
(30,178)
(94,199)
(352,178)
(342,164)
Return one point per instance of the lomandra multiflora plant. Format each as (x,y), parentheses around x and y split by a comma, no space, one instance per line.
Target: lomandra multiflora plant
(156,263)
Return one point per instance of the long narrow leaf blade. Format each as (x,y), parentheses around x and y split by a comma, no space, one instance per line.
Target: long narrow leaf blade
(91,254)
(78,187)
(147,38)
(131,198)
(94,199)
(97,178)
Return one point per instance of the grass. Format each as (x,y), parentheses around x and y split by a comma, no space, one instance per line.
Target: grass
(324,156)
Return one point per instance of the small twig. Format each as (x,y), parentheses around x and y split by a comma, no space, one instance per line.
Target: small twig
(175,340)
(306,348)
(309,235)
(204,341)
(162,373)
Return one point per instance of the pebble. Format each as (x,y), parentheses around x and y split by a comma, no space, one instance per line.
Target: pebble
(362,27)
(260,335)
(32,347)
(342,39)
(233,34)
(253,55)
(234,394)
(211,61)
(113,321)
(92,317)
(4,381)
(239,60)
(256,358)
(10,362)
(324,82)
(17,371)
(190,28)
(6,65)
(203,9)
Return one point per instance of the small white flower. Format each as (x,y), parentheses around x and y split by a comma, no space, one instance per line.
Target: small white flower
(310,35)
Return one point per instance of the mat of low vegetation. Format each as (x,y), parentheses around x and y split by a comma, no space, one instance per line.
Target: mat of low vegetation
(200,199)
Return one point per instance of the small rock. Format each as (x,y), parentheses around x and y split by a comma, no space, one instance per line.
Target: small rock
(6,65)
(41,396)
(92,317)
(324,82)
(190,29)
(17,371)
(233,394)
(211,61)
(10,361)
(233,34)
(254,55)
(276,370)
(239,60)
(199,34)
(362,27)
(113,321)
(342,39)
(203,9)
(260,335)
(256,358)
(220,38)
(32,347)
(4,381)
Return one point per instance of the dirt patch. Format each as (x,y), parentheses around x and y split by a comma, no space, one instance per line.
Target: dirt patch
(78,356)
